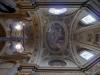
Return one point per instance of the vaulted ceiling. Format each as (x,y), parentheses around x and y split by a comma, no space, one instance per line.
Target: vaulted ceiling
(52,41)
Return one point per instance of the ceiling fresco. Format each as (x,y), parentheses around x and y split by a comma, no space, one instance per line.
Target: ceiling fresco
(56,37)
(58,40)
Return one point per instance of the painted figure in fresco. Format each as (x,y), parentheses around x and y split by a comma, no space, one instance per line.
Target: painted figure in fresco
(56,36)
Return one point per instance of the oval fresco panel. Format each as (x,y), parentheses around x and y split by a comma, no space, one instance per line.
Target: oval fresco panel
(57,62)
(56,37)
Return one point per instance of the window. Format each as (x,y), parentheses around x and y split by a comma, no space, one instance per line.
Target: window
(57,11)
(19,25)
(87,55)
(88,19)
(19,47)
